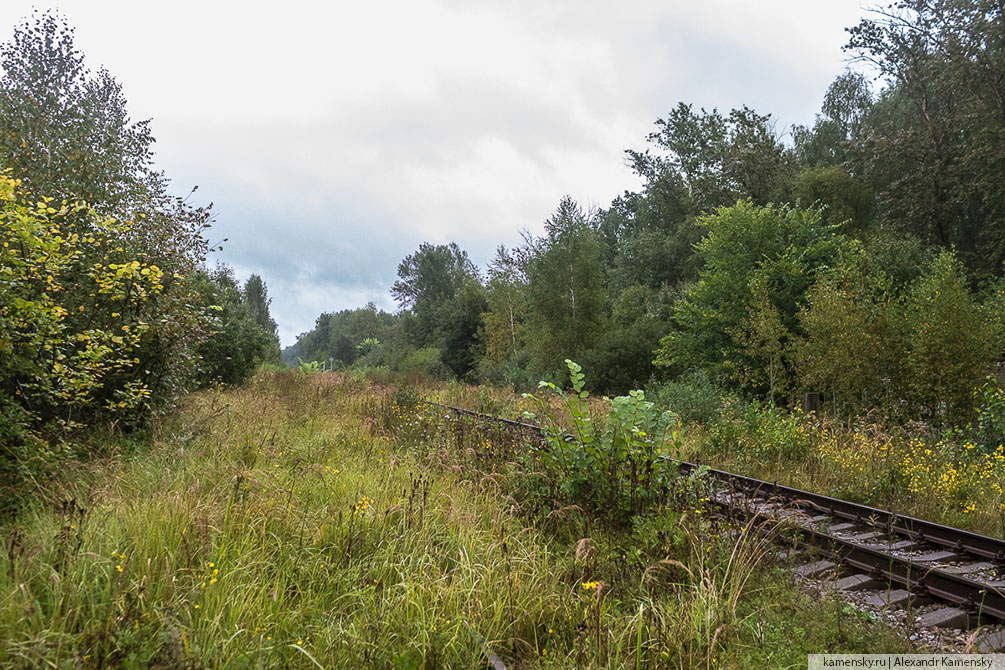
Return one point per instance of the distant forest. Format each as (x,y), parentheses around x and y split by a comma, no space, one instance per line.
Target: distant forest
(860,259)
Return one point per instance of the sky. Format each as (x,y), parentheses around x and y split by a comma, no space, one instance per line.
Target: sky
(335,137)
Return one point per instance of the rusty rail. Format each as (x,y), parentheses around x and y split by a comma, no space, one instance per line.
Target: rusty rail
(974,596)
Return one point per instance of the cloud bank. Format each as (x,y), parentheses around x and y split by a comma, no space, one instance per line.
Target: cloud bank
(335,137)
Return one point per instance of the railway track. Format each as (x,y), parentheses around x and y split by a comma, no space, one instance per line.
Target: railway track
(952,578)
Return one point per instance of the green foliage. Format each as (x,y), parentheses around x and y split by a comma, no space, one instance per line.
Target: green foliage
(949,343)
(754,432)
(291,525)
(367,346)
(98,319)
(758,264)
(238,340)
(430,275)
(650,237)
(566,288)
(307,367)
(422,363)
(66,134)
(442,290)
(989,431)
(695,396)
(716,159)
(428,281)
(76,312)
(512,372)
(917,351)
(765,341)
(256,296)
(57,352)
(847,201)
(354,338)
(853,349)
(626,468)
(63,131)
(898,258)
(932,147)
(832,140)
(622,355)
(503,322)
(460,348)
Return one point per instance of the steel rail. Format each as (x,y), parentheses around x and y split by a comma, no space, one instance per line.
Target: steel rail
(917,529)
(479,415)
(919,577)
(916,576)
(969,594)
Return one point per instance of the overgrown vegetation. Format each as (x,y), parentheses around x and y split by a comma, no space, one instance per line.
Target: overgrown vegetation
(860,261)
(956,477)
(106,312)
(311,520)
(853,272)
(327,520)
(625,469)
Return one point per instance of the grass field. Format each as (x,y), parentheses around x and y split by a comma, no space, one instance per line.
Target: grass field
(322,521)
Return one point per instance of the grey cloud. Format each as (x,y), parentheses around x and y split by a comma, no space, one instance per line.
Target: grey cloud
(335,138)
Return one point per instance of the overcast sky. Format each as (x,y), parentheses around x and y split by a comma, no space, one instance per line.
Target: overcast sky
(334,137)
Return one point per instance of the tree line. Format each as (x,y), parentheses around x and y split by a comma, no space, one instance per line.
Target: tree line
(860,258)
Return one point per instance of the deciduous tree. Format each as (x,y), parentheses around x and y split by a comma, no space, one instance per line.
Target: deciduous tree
(566,288)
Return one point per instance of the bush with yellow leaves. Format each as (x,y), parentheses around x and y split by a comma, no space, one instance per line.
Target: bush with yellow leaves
(79,312)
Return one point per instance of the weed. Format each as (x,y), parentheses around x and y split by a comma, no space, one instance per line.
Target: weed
(320,520)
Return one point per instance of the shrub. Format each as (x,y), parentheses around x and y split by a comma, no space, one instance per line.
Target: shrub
(950,342)
(989,431)
(625,468)
(511,371)
(694,396)
(760,433)
(85,336)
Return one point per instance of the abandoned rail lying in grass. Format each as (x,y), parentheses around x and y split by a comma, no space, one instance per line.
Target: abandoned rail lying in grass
(900,562)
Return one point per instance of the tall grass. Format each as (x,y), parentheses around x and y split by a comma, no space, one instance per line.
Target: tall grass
(321,521)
